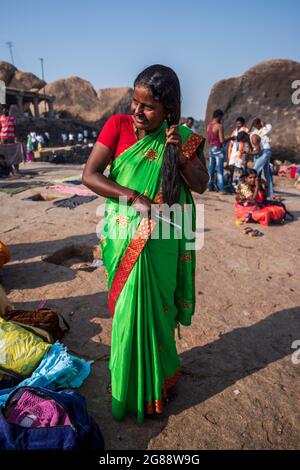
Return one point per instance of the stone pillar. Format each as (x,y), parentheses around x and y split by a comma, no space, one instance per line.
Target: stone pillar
(20,105)
(50,108)
(36,107)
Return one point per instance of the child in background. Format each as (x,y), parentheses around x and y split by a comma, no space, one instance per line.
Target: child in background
(244,147)
(256,145)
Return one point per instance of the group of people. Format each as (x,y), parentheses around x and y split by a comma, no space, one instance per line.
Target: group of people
(241,147)
(248,154)
(82,137)
(36,141)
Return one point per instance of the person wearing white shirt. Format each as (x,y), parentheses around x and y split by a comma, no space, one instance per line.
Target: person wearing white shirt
(34,140)
(189,123)
(262,163)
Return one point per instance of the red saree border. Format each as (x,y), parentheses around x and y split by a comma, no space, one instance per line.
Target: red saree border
(128,261)
(191,145)
(157,406)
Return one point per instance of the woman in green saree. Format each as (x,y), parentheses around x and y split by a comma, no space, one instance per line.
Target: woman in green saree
(150,275)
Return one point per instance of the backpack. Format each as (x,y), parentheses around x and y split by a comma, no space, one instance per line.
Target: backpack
(44,323)
(78,431)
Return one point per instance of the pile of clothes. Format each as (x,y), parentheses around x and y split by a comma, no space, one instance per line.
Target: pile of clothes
(37,378)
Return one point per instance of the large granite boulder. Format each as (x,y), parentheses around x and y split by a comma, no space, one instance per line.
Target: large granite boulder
(115,100)
(26,81)
(6,71)
(263,91)
(14,78)
(76,98)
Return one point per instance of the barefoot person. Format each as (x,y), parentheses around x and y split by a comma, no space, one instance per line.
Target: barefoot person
(150,279)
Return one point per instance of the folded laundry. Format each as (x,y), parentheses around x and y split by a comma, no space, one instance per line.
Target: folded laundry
(58,369)
(60,188)
(31,410)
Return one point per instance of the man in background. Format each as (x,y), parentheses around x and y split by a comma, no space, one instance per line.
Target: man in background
(190,123)
(7,127)
(262,163)
(215,134)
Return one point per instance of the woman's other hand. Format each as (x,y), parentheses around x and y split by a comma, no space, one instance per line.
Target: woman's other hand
(142,205)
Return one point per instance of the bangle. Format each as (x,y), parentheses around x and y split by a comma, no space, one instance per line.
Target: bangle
(131,199)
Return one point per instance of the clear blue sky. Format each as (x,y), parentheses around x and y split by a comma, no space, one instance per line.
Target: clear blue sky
(109,42)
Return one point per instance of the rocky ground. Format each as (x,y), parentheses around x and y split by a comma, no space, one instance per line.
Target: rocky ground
(240,388)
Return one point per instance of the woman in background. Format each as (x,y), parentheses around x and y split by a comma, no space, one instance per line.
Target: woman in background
(251,201)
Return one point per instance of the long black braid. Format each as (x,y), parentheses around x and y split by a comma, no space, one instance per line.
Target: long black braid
(164,85)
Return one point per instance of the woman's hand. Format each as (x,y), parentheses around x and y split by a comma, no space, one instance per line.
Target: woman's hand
(173,136)
(142,205)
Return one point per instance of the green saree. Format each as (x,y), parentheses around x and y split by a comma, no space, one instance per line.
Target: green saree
(150,281)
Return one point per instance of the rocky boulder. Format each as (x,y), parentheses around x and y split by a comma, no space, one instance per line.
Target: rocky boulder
(6,71)
(263,91)
(14,78)
(26,81)
(76,98)
(115,100)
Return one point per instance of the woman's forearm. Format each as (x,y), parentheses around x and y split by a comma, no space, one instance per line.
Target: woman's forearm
(105,187)
(196,177)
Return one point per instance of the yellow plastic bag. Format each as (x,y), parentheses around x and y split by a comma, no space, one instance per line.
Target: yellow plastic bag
(20,350)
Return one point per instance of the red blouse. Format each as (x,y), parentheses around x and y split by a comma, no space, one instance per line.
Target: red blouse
(118,134)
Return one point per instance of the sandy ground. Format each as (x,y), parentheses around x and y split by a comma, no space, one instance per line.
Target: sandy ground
(240,388)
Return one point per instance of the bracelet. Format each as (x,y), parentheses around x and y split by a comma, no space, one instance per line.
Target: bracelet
(131,199)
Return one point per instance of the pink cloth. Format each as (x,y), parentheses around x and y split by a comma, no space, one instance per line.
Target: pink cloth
(283,170)
(34,411)
(60,188)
